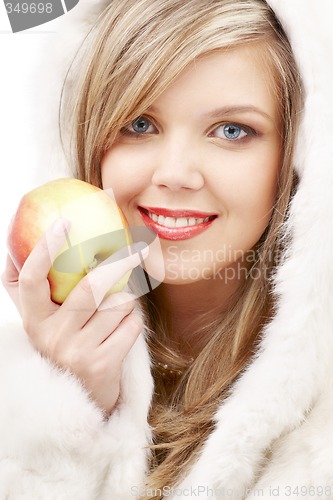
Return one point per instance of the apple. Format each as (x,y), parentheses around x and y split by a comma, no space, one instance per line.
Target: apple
(98,229)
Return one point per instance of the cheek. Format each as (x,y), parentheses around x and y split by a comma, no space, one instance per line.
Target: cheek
(247,194)
(121,172)
(252,194)
(258,194)
(268,184)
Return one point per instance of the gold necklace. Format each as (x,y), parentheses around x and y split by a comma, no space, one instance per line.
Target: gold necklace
(165,369)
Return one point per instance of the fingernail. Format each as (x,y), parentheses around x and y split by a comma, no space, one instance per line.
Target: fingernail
(61,226)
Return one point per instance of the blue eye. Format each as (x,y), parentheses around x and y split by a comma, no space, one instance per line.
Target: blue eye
(230,131)
(141,125)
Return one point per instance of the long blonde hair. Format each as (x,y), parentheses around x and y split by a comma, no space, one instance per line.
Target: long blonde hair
(132,54)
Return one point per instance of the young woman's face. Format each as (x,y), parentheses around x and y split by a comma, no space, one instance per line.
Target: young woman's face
(200,166)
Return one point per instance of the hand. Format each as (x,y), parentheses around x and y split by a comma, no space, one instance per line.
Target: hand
(87,334)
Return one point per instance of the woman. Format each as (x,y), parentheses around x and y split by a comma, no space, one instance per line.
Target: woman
(187,111)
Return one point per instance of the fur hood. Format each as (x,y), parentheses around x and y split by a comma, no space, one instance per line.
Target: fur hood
(274,434)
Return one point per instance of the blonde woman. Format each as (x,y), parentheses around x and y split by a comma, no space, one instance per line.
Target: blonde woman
(210,121)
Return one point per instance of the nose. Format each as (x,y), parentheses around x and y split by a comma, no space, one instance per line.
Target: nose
(177,167)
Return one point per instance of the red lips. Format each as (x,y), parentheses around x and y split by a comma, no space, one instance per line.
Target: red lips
(176,233)
(178,213)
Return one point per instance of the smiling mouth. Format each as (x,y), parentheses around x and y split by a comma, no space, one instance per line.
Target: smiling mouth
(177,224)
(177,221)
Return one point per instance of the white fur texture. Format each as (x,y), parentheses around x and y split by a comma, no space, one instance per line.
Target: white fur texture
(54,442)
(274,434)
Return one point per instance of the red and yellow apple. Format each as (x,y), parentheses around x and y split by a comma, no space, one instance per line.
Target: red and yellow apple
(98,229)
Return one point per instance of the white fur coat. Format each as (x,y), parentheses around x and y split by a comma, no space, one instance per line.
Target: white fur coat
(274,435)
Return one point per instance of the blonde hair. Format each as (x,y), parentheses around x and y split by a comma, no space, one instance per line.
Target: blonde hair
(132,54)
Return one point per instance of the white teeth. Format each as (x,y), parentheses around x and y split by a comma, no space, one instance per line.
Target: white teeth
(176,222)
(181,221)
(170,222)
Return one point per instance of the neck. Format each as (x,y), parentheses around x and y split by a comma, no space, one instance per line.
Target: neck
(185,305)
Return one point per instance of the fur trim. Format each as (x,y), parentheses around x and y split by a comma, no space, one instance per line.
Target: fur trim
(54,440)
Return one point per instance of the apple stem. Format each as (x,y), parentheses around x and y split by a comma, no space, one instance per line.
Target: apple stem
(92,264)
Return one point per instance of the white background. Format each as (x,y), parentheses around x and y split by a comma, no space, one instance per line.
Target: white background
(19,54)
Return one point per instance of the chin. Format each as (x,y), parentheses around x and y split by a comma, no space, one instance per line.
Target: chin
(178,275)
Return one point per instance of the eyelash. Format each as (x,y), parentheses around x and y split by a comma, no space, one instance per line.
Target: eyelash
(249,131)
(132,133)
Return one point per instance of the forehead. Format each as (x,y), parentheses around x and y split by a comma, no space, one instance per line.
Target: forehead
(238,76)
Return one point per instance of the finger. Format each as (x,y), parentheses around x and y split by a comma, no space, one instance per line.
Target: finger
(116,266)
(33,283)
(117,300)
(9,279)
(124,337)
(104,322)
(89,293)
(11,273)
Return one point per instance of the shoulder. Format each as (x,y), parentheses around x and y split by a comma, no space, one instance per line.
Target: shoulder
(301,459)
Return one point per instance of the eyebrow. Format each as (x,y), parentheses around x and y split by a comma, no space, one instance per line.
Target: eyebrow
(230,110)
